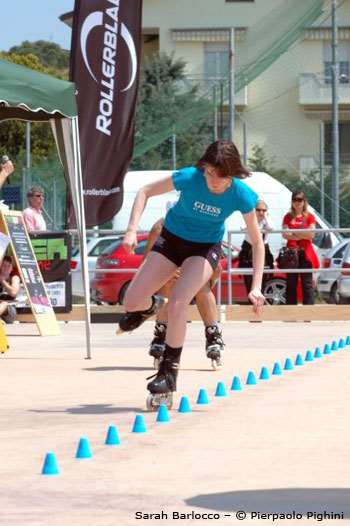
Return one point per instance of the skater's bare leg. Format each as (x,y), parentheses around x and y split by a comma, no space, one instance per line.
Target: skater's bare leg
(206,302)
(195,272)
(155,271)
(165,291)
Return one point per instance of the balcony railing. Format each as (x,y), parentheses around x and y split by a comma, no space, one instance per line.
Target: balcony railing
(315,90)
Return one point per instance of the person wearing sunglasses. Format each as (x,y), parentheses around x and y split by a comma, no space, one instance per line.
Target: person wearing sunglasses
(33,214)
(245,258)
(297,218)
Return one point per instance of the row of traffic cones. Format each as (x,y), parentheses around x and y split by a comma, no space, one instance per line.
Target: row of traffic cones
(50,466)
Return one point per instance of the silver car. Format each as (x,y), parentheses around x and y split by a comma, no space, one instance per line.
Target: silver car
(343,280)
(327,285)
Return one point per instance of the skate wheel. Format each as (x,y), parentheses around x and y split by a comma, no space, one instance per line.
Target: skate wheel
(216,365)
(153,401)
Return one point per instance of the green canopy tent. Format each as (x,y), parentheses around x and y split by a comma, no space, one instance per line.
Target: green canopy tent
(31,96)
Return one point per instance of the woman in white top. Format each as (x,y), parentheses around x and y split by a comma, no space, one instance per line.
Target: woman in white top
(245,257)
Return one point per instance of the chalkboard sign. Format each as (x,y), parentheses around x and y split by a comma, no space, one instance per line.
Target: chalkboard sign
(12,224)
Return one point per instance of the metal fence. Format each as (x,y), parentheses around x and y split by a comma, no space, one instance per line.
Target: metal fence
(231,271)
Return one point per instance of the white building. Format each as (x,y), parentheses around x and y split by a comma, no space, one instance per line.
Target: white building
(284,106)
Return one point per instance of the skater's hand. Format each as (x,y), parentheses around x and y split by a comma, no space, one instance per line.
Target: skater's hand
(257,299)
(130,242)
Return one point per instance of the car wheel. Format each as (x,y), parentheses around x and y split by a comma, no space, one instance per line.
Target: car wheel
(123,292)
(334,294)
(343,300)
(275,291)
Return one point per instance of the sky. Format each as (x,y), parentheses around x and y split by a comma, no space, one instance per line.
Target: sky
(34,20)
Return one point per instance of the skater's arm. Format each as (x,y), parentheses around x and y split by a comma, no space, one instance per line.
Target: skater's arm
(257,243)
(157,188)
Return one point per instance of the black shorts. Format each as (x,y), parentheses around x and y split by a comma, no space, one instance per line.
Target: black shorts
(177,249)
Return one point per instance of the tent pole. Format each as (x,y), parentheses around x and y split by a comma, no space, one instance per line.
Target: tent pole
(82,233)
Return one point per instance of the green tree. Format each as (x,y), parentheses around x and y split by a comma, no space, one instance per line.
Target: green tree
(163,99)
(49,54)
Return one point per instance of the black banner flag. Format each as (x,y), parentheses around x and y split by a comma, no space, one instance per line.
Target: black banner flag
(105,59)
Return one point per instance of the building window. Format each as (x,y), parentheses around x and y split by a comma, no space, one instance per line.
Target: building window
(216,61)
(344,142)
(344,62)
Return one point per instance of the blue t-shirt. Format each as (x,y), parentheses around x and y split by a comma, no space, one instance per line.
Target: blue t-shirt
(199,215)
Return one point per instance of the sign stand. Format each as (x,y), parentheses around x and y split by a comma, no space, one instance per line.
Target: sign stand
(12,224)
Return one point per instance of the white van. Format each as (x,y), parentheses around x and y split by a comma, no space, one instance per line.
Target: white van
(276,195)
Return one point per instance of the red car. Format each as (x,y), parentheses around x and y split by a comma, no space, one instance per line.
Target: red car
(108,287)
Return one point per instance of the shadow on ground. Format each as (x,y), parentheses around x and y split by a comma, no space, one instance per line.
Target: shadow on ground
(91,409)
(121,368)
(285,500)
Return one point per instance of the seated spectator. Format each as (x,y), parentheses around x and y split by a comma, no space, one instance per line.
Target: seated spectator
(9,287)
(33,215)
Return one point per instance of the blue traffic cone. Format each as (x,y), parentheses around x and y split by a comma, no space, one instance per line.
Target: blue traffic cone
(264,374)
(220,389)
(184,406)
(50,465)
(327,349)
(112,438)
(83,450)
(202,397)
(341,343)
(317,353)
(236,384)
(334,346)
(309,357)
(299,360)
(276,369)
(139,425)
(162,415)
(251,380)
(347,341)
(288,366)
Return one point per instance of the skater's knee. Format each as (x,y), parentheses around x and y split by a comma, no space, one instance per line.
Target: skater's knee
(177,306)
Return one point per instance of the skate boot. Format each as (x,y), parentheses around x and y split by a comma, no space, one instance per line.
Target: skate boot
(157,347)
(214,346)
(132,320)
(164,384)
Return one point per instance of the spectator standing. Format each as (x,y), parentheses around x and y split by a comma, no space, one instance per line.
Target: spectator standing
(299,218)
(6,169)
(245,258)
(33,215)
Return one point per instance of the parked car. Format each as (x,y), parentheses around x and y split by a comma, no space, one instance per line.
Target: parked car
(327,285)
(343,281)
(111,287)
(95,247)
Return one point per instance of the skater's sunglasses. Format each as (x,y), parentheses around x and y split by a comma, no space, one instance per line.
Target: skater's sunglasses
(261,209)
(298,199)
